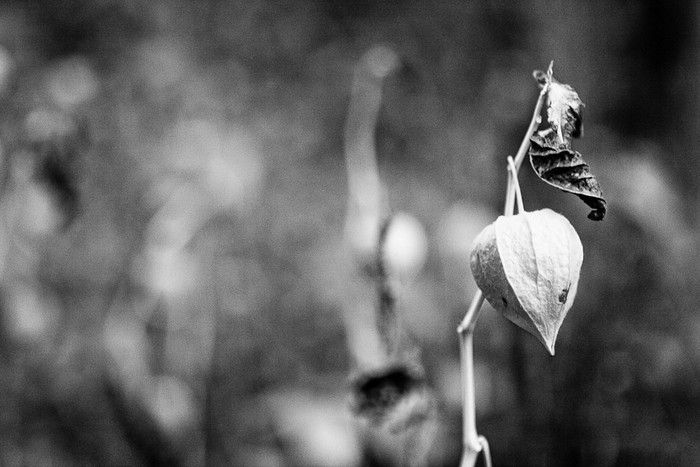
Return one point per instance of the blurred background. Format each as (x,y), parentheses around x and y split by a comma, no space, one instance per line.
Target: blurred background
(173,287)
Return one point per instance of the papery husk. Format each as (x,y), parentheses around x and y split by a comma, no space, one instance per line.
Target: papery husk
(528,267)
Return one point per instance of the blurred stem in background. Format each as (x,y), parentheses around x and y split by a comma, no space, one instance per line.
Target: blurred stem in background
(366,219)
(390,391)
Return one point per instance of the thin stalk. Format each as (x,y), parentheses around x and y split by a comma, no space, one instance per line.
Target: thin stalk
(534,123)
(366,201)
(514,182)
(473,444)
(387,321)
(487,451)
(364,187)
(522,150)
(508,205)
(470,438)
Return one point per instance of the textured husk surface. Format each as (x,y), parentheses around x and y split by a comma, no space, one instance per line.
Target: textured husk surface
(528,268)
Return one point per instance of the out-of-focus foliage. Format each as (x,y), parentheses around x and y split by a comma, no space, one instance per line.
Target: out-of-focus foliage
(174,287)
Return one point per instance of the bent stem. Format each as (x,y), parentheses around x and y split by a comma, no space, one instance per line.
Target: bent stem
(522,150)
(470,438)
(473,444)
(365,212)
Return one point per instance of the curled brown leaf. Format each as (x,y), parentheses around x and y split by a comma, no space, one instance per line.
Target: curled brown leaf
(565,169)
(551,153)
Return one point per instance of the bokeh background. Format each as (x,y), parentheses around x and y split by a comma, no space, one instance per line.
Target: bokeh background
(172,202)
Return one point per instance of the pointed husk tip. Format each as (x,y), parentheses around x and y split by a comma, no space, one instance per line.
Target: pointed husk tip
(550,348)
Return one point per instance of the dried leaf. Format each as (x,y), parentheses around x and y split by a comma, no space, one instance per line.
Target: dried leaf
(565,169)
(551,154)
(528,268)
(564,112)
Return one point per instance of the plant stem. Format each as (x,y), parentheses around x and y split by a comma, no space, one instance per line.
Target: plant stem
(534,123)
(522,150)
(472,442)
(387,323)
(513,181)
(470,438)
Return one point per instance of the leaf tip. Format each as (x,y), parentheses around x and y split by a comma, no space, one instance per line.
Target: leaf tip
(541,77)
(596,215)
(599,209)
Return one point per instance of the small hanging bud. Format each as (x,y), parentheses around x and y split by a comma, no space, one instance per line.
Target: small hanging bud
(528,268)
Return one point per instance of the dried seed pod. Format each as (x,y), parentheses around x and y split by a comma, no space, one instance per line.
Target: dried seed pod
(396,396)
(528,267)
